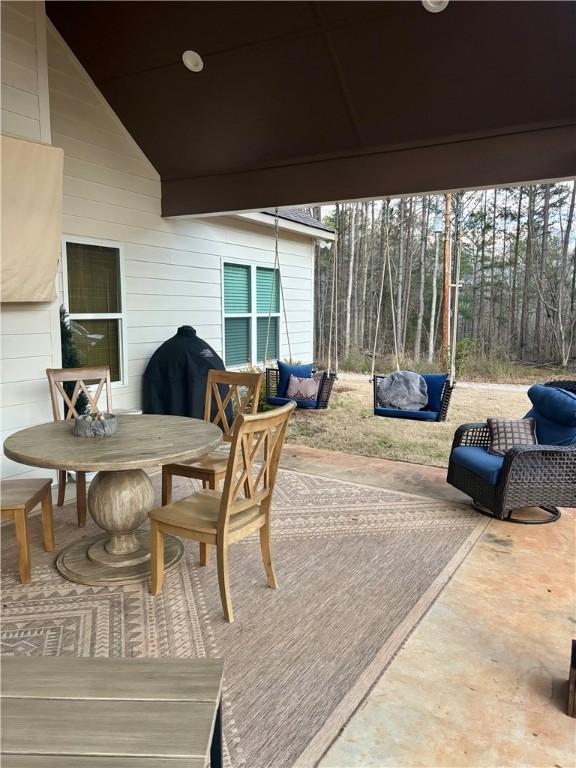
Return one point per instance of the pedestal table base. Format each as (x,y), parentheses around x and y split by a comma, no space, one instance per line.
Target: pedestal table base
(87,562)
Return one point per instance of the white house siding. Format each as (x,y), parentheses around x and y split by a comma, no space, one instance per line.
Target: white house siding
(30,333)
(172,267)
(25,110)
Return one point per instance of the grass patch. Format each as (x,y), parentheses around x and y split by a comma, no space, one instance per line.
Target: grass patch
(349,424)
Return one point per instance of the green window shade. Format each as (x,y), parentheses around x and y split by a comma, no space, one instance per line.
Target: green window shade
(93,279)
(267,290)
(261,331)
(236,289)
(237,331)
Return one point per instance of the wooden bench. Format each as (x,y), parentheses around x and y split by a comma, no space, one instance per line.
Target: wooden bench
(110,713)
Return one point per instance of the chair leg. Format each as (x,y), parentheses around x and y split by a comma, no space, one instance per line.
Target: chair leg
(81,498)
(61,487)
(47,522)
(204,553)
(223,582)
(211,484)
(23,544)
(166,486)
(267,556)
(156,558)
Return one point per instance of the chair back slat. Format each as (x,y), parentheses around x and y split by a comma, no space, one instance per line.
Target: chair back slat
(253,464)
(58,377)
(241,398)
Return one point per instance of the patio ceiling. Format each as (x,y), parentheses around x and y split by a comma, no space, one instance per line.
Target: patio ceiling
(303,102)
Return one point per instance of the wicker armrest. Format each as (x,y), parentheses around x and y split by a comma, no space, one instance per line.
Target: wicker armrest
(567,384)
(549,466)
(472,435)
(534,450)
(272,380)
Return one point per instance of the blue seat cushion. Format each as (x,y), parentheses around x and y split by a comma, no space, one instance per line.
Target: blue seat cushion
(486,465)
(554,411)
(435,383)
(299,403)
(398,413)
(285,370)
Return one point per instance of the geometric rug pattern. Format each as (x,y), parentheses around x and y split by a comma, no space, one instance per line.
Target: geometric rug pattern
(357,568)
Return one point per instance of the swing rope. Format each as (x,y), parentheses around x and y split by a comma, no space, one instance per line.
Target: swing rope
(279,273)
(332,304)
(385,267)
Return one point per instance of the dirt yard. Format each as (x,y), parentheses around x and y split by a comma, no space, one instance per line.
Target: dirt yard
(349,424)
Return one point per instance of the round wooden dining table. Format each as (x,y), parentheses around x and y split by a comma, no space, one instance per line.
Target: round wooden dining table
(121,494)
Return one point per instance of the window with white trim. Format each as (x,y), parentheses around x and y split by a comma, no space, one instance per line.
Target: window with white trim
(94,301)
(251,314)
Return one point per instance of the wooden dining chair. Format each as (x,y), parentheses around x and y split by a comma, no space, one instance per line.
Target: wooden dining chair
(17,499)
(243,506)
(57,378)
(242,398)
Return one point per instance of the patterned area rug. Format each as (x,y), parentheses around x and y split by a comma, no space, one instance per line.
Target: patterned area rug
(357,568)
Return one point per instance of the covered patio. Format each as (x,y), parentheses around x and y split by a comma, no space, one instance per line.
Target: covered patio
(407,629)
(479,640)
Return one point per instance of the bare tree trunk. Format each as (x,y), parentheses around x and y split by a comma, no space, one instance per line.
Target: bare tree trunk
(447,281)
(527,267)
(318,334)
(368,249)
(481,329)
(432,331)
(492,260)
(400,276)
(408,281)
(512,325)
(349,287)
(420,314)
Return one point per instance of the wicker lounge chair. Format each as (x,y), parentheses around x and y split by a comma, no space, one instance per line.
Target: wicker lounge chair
(542,475)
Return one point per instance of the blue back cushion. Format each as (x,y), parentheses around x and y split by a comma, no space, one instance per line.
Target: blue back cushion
(286,370)
(550,433)
(435,382)
(555,413)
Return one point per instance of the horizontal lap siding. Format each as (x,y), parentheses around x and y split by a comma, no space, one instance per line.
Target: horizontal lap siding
(27,330)
(172,267)
(20,87)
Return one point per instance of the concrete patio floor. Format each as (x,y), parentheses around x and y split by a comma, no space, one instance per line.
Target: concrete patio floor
(482,679)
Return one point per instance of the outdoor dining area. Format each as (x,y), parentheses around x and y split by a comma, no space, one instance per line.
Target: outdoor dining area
(121,497)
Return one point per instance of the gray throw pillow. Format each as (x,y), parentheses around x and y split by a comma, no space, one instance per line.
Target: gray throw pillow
(510,433)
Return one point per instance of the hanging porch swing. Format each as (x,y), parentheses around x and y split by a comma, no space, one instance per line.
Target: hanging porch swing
(278,380)
(439,386)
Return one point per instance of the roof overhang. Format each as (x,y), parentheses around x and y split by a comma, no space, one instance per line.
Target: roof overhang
(316,233)
(307,102)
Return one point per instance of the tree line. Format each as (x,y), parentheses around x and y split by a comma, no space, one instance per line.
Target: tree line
(517,283)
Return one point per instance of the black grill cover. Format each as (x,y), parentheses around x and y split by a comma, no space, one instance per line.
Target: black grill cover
(175,378)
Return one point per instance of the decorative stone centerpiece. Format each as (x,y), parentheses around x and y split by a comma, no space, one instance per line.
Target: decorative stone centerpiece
(95,424)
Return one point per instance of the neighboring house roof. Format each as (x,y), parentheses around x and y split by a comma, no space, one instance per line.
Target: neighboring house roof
(299,217)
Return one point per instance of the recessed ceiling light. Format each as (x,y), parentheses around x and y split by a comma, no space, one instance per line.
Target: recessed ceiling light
(435,6)
(193,61)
